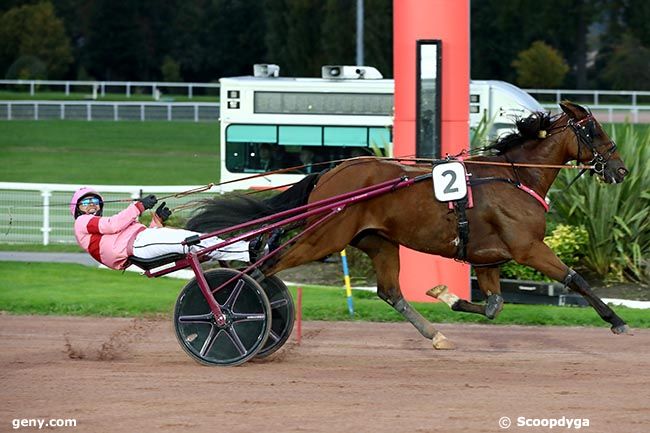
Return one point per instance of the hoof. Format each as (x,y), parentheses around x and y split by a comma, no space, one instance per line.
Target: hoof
(493,306)
(437,291)
(440,342)
(622,329)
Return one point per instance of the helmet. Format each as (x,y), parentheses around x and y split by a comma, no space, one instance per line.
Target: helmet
(81,193)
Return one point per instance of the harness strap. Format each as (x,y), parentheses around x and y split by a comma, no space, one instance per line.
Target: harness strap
(463,229)
(519,185)
(533,194)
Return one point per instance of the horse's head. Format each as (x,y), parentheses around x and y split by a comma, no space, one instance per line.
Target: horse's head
(592,144)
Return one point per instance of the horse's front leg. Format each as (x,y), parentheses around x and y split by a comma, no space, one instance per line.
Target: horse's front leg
(385,259)
(542,258)
(488,281)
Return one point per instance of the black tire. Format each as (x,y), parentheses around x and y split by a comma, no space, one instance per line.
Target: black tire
(283,314)
(248,315)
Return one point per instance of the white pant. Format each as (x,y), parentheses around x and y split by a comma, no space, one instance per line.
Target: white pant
(154,242)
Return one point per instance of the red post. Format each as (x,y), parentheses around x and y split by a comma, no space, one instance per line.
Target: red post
(299,315)
(447,21)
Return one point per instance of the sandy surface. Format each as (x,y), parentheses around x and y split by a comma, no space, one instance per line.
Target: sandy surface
(130,375)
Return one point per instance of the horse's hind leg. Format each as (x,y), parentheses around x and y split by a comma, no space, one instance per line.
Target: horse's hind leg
(488,281)
(385,258)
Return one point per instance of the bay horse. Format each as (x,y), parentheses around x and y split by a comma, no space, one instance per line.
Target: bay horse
(506,222)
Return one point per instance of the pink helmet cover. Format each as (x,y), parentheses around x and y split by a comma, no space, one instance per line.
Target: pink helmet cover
(79,194)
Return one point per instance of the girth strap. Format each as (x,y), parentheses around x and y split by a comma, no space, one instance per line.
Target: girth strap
(463,228)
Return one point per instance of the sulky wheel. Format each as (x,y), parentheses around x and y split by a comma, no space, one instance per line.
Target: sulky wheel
(248,319)
(282,313)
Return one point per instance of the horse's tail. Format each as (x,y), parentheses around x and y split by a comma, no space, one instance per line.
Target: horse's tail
(217,214)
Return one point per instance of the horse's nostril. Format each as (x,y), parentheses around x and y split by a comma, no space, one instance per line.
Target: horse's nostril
(622,172)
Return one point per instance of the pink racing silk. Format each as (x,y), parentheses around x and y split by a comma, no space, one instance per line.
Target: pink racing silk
(109,240)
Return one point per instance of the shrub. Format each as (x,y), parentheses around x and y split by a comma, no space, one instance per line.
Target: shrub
(171,70)
(617,217)
(540,66)
(27,68)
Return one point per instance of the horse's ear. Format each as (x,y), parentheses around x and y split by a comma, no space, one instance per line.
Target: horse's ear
(572,110)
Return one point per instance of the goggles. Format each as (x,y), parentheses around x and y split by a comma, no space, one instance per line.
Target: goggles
(90,200)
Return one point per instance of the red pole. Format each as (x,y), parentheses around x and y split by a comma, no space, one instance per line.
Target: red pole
(299,316)
(447,21)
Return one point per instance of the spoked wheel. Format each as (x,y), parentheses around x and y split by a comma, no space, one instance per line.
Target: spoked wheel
(248,319)
(282,313)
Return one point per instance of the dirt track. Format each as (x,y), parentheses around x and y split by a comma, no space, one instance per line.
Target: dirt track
(123,375)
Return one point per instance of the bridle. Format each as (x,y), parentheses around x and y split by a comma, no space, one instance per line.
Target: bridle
(584,130)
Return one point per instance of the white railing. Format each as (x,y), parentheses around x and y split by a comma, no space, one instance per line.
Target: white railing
(100,86)
(613,113)
(94,110)
(40,212)
(597,97)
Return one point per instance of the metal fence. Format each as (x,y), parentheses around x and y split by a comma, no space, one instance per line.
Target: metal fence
(625,98)
(100,87)
(608,105)
(40,212)
(93,110)
(613,113)
(592,97)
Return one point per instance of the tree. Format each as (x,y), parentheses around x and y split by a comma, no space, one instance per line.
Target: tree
(629,66)
(501,29)
(338,33)
(231,38)
(540,66)
(636,16)
(378,35)
(293,39)
(171,71)
(34,32)
(116,43)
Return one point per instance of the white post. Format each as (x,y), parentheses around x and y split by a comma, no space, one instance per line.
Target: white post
(35,111)
(89,116)
(46,217)
(103,89)
(196,112)
(359,56)
(62,115)
(142,112)
(8,110)
(115,118)
(169,112)
(31,88)
(67,88)
(128,89)
(189,91)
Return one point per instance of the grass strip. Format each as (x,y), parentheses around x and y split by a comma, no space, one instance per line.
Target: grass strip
(67,289)
(113,153)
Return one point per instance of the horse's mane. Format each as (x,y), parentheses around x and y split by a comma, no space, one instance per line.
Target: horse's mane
(528,128)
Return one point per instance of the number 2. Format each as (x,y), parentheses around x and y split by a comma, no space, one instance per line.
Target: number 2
(448,189)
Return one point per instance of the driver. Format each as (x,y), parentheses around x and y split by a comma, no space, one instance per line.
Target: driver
(112,240)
